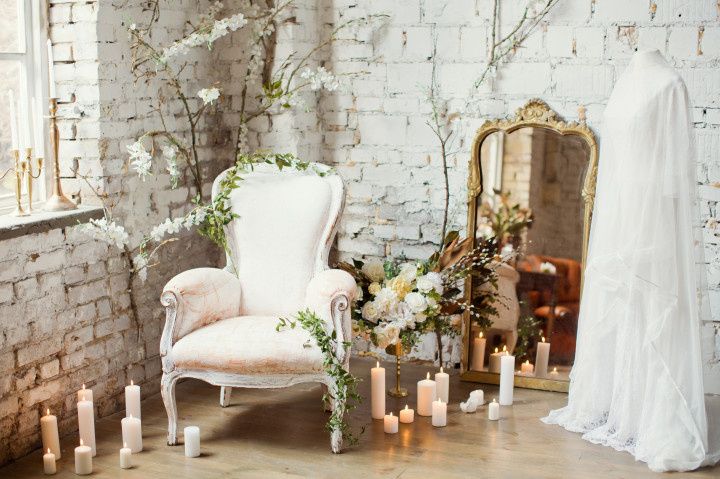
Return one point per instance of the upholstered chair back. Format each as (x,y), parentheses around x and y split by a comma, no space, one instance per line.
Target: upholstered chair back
(281,239)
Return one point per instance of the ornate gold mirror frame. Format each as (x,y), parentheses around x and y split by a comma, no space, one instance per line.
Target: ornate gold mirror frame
(535,113)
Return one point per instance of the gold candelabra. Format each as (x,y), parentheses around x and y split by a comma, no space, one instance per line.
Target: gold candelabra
(57,201)
(23,170)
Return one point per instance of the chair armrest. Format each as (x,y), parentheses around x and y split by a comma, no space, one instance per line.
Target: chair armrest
(329,295)
(196,298)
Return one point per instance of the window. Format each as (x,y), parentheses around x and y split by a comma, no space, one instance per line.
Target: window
(21,70)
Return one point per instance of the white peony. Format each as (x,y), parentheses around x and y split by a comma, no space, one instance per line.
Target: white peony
(429,282)
(386,300)
(408,272)
(370,312)
(374,270)
(416,302)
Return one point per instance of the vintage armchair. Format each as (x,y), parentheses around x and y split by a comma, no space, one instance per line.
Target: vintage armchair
(220,326)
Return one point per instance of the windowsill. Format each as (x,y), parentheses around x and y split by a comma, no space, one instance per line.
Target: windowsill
(42,221)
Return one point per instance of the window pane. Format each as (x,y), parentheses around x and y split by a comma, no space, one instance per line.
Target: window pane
(9,79)
(10,28)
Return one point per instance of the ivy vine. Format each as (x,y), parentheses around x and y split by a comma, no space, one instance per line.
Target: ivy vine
(344,394)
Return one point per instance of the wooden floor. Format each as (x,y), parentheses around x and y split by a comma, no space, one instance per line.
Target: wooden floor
(280,434)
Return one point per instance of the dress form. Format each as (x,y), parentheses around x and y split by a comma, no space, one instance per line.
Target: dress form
(637,384)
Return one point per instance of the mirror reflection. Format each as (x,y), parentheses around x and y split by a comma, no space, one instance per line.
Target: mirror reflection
(532,204)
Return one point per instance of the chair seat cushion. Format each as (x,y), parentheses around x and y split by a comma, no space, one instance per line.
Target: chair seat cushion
(248,345)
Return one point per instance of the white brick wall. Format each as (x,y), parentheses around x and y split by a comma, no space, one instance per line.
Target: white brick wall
(392,167)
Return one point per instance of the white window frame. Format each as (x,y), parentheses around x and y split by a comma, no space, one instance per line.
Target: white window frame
(32,56)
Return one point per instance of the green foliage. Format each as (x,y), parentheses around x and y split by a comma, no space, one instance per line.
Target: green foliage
(345,394)
(529,331)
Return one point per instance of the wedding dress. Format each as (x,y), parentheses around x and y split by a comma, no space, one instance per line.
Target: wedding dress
(637,383)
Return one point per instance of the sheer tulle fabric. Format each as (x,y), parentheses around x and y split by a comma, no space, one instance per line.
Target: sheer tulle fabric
(637,381)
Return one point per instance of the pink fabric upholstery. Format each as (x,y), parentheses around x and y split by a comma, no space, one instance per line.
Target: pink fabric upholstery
(248,345)
(204,295)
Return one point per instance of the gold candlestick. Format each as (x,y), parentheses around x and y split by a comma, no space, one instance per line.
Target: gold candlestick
(19,170)
(397,351)
(57,201)
(31,176)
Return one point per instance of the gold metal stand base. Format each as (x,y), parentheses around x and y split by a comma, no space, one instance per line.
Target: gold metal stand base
(20,212)
(59,203)
(398,392)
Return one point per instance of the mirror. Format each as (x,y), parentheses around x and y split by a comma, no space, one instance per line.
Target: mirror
(531,189)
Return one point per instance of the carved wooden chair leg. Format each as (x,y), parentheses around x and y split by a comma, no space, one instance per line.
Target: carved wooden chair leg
(225,393)
(167,388)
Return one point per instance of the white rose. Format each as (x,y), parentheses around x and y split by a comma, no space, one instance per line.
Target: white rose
(408,272)
(374,288)
(431,302)
(386,335)
(374,270)
(370,312)
(402,317)
(430,281)
(386,299)
(416,302)
(420,317)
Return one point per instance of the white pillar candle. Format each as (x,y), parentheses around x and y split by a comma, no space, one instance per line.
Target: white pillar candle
(377,393)
(125,457)
(493,411)
(51,70)
(49,466)
(426,394)
(554,374)
(86,423)
(39,143)
(85,394)
(13,121)
(390,423)
(49,432)
(192,441)
(132,400)
(442,383)
(494,363)
(541,358)
(407,415)
(26,137)
(507,379)
(478,355)
(439,413)
(83,459)
(132,433)
(527,368)
(478,395)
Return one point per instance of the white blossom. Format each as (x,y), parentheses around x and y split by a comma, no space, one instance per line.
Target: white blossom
(140,159)
(408,272)
(107,231)
(140,264)
(548,268)
(321,78)
(204,36)
(170,152)
(209,95)
(374,270)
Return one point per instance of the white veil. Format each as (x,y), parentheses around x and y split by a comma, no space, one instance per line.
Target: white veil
(637,382)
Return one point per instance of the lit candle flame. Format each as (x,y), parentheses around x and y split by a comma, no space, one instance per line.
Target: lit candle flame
(390,413)
(48,450)
(441,369)
(554,370)
(81,442)
(543,339)
(48,411)
(130,416)
(406,407)
(496,350)
(493,399)
(124,444)
(377,364)
(428,376)
(504,349)
(480,335)
(131,383)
